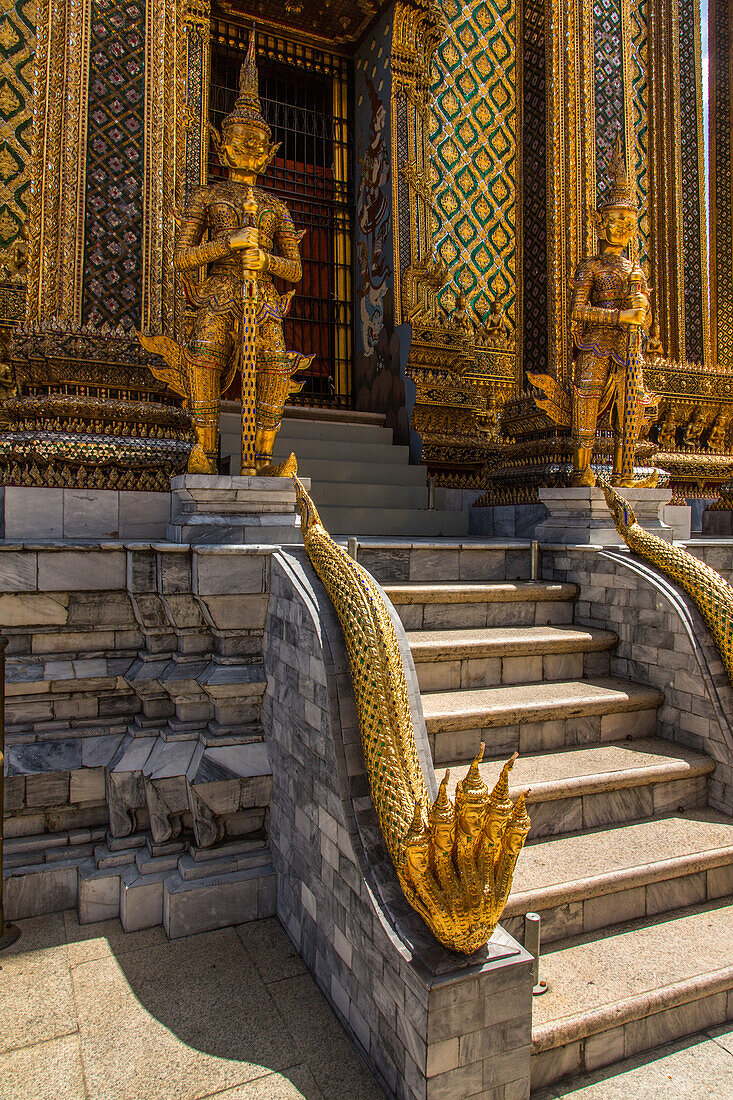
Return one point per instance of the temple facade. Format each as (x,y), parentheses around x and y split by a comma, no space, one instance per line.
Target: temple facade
(366,378)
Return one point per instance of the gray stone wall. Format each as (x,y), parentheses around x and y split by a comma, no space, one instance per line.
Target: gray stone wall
(428,1022)
(664,642)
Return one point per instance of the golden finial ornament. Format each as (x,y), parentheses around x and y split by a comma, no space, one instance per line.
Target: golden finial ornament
(450,871)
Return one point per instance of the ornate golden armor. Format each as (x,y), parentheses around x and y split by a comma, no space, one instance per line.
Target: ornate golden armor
(238,319)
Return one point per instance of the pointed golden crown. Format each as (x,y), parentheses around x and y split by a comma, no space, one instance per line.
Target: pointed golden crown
(519,821)
(500,804)
(247,106)
(620,191)
(417,835)
(442,808)
(473,788)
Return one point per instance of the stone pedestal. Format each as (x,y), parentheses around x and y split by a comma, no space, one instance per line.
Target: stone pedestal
(251,510)
(581,517)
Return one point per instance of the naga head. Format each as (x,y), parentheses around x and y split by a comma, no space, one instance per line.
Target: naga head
(622,512)
(309,517)
(472,796)
(417,847)
(500,804)
(441,819)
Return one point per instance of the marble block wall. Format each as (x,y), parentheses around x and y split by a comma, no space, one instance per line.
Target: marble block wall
(134,742)
(664,642)
(430,1023)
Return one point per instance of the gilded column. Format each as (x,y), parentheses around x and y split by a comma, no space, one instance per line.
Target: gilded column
(56,203)
(721,185)
(166,40)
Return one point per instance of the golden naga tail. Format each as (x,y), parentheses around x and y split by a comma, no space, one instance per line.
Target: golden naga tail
(455,861)
(711,593)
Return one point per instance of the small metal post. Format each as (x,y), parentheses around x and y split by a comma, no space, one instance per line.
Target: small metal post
(352,547)
(534,560)
(9,933)
(431,492)
(532,928)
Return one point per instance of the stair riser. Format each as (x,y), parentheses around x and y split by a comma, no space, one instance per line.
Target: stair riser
(451,746)
(457,616)
(338,494)
(393,522)
(418,565)
(478,672)
(573,918)
(619,807)
(335,450)
(631,1038)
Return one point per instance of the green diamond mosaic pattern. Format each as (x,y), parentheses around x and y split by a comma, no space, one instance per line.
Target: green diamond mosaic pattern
(474,137)
(17,45)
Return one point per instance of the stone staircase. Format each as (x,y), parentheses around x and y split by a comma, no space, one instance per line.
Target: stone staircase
(361,482)
(630,870)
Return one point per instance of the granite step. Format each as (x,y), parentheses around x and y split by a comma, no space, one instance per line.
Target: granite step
(446,660)
(637,987)
(588,881)
(438,606)
(537,716)
(610,784)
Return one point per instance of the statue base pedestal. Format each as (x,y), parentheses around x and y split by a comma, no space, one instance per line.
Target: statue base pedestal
(581,517)
(226,510)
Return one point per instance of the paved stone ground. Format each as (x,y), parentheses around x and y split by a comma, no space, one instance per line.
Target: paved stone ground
(91,1013)
(697,1068)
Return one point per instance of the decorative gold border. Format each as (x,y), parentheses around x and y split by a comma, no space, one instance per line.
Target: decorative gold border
(704,277)
(56,206)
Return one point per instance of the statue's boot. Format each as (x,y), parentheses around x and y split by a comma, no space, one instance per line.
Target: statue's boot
(582,472)
(205,375)
(275,383)
(585,418)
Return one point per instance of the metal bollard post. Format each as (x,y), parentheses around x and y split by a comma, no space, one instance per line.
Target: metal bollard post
(9,933)
(534,560)
(352,547)
(532,927)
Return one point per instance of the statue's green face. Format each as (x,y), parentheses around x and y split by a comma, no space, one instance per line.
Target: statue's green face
(619,226)
(245,146)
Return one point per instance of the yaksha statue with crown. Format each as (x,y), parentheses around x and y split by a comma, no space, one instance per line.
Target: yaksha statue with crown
(610,305)
(239,313)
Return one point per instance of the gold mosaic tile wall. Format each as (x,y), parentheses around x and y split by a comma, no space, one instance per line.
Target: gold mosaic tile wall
(474,134)
(17,45)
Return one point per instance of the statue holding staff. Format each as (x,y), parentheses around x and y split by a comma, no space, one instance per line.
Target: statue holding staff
(239,313)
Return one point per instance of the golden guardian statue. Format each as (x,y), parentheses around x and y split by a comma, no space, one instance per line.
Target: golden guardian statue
(610,306)
(239,238)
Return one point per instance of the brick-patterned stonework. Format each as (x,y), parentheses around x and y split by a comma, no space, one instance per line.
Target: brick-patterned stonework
(138,779)
(664,642)
(429,1023)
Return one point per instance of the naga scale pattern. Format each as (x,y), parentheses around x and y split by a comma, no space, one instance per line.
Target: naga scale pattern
(711,593)
(455,862)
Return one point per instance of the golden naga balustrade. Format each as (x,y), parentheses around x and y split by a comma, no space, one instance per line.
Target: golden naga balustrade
(454,860)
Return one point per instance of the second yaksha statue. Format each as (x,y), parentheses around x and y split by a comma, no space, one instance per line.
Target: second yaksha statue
(238,316)
(610,307)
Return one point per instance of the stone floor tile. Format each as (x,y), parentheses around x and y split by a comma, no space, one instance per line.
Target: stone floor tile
(270,949)
(320,1039)
(297,1083)
(179,1020)
(36,998)
(49,1070)
(104,939)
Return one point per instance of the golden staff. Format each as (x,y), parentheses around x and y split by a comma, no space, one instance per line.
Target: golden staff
(250,309)
(9,933)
